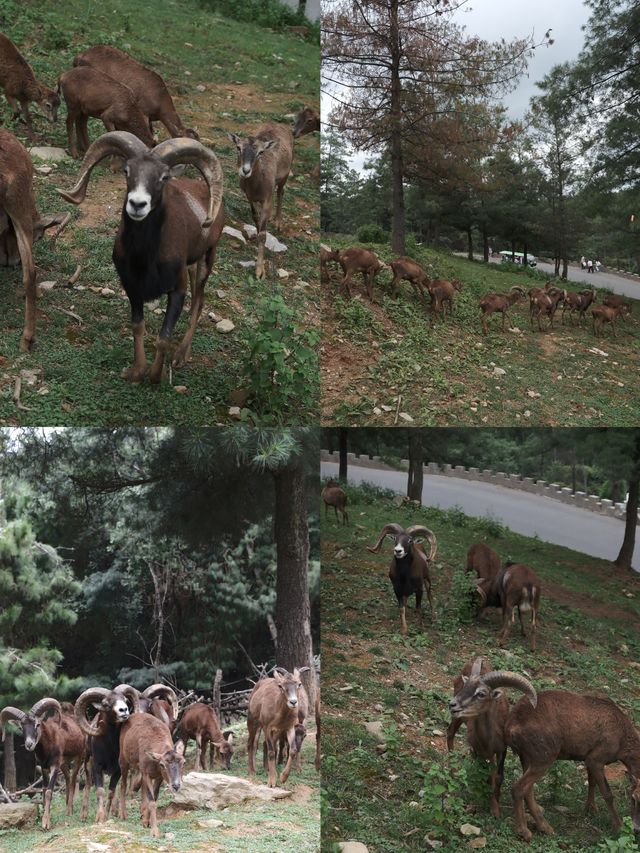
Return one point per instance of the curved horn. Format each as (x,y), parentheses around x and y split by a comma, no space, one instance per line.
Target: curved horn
(429,535)
(166,693)
(282,670)
(117,143)
(131,694)
(481,590)
(10,713)
(93,694)
(500,678)
(476,668)
(388,528)
(181,150)
(518,288)
(302,669)
(39,709)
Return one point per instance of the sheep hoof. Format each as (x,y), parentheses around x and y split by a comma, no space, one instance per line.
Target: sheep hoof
(27,343)
(181,357)
(260,272)
(135,373)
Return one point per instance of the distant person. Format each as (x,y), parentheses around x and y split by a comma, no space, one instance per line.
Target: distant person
(598,265)
(589,265)
(583,263)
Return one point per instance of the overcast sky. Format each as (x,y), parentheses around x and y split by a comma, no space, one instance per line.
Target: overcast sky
(508,19)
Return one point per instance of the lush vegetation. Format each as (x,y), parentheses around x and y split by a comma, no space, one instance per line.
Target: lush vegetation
(410,792)
(84,338)
(449,373)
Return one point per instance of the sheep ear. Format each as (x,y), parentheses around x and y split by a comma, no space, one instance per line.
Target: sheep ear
(156,756)
(234,139)
(465,678)
(278,678)
(178,171)
(272,143)
(392,536)
(497,693)
(179,747)
(228,736)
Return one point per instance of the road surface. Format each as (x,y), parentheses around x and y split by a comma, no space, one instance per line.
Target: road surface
(522,512)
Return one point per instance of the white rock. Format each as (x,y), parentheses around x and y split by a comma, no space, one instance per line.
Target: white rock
(234,411)
(377,411)
(249,231)
(215,791)
(225,326)
(498,371)
(47,285)
(341,554)
(201,88)
(387,408)
(233,232)
(247,265)
(221,294)
(406,417)
(44,170)
(13,815)
(352,847)
(375,729)
(470,829)
(49,153)
(282,273)
(210,824)
(213,316)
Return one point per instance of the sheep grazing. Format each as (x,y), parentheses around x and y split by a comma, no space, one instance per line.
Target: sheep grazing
(404,268)
(442,292)
(357,259)
(21,225)
(200,721)
(88,92)
(103,745)
(169,231)
(515,586)
(264,162)
(327,255)
(146,745)
(501,302)
(307,121)
(147,86)
(409,569)
(273,708)
(579,302)
(545,302)
(20,86)
(334,496)
(483,560)
(612,300)
(574,727)
(58,743)
(603,314)
(485,712)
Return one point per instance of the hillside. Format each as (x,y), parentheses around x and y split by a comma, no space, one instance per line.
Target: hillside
(224,75)
(396,799)
(450,373)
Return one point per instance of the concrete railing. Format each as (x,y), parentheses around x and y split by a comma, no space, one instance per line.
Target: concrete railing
(496,478)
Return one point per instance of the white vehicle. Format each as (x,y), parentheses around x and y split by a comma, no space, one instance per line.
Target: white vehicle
(517,257)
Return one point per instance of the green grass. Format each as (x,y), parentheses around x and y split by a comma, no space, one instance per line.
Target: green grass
(73,375)
(290,825)
(588,640)
(445,374)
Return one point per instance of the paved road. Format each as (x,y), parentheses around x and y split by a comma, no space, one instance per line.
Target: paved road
(616,283)
(578,529)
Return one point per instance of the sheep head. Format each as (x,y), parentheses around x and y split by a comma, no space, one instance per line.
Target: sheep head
(148,170)
(479,691)
(109,703)
(290,683)
(404,539)
(31,722)
(250,148)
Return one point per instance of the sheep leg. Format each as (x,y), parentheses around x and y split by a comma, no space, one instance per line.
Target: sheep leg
(523,789)
(279,195)
(70,778)
(427,586)
(15,107)
(24,238)
(402,603)
(198,276)
(271,759)
(596,772)
(175,303)
(483,322)
(345,283)
(199,751)
(124,769)
(82,132)
(46,816)
(113,783)
(524,633)
(591,807)
(497,775)
(335,509)
(152,809)
(453,727)
(85,796)
(139,369)
(264,214)
(506,627)
(71,123)
(252,745)
(394,285)
(291,738)
(419,608)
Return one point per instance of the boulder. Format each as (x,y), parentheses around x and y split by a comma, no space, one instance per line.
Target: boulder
(18,815)
(49,154)
(216,791)
(352,847)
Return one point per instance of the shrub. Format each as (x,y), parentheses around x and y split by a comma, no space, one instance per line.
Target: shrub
(372,234)
(265,13)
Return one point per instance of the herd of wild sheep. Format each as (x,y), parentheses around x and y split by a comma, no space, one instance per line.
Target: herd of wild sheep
(123,731)
(169,229)
(542,727)
(543,301)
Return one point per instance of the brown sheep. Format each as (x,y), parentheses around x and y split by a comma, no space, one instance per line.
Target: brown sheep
(20,86)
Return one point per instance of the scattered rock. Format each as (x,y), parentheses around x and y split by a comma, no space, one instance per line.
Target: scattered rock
(374,728)
(95,847)
(210,824)
(398,500)
(213,316)
(470,829)
(377,411)
(533,394)
(387,408)
(49,153)
(233,232)
(249,231)
(282,273)
(341,554)
(44,170)
(234,411)
(406,417)
(352,847)
(107,291)
(433,844)
(247,264)
(477,843)
(379,708)
(273,244)
(437,733)
(215,791)
(221,294)
(225,326)
(47,285)
(201,88)
(17,815)
(180,389)
(498,371)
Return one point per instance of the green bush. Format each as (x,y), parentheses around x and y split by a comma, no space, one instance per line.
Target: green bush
(372,234)
(265,13)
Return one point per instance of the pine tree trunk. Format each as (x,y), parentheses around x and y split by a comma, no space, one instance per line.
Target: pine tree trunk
(9,762)
(293,616)
(485,245)
(415,479)
(624,558)
(469,244)
(342,472)
(397,165)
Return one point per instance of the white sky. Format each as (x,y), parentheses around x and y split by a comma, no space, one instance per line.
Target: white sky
(496,19)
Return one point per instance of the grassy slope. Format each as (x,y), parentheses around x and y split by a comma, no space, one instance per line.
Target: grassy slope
(445,374)
(251,75)
(588,640)
(285,826)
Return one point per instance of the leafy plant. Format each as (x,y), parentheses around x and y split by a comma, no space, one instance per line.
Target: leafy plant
(624,843)
(282,364)
(372,234)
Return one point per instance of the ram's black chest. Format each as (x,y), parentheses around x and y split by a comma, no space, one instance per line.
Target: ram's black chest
(145,274)
(403,576)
